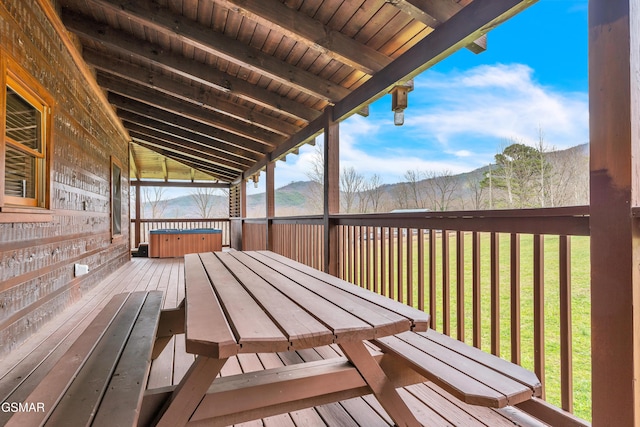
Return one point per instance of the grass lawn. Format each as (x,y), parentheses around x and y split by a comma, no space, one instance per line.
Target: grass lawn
(580,291)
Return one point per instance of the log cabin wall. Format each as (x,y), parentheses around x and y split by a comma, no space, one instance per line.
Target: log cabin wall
(37,257)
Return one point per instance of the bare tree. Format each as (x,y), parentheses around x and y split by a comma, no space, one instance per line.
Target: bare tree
(544,169)
(315,173)
(443,186)
(570,179)
(415,188)
(154,198)
(400,194)
(204,200)
(374,192)
(476,192)
(351,184)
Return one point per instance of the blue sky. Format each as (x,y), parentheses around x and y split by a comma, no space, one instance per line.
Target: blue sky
(531,79)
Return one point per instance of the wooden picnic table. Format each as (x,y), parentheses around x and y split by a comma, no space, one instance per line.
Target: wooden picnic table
(260,302)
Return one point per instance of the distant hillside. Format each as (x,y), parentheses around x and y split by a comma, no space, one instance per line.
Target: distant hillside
(304,197)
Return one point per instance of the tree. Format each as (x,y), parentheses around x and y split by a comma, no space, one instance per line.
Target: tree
(315,173)
(351,184)
(518,174)
(443,186)
(373,193)
(415,188)
(476,192)
(154,198)
(204,200)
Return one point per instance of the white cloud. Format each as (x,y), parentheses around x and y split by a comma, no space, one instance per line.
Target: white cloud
(500,102)
(455,122)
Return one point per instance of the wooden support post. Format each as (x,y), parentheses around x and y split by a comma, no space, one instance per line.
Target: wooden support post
(271,202)
(331,191)
(614,117)
(138,216)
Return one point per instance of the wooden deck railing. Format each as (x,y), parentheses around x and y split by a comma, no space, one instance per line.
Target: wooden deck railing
(146,225)
(499,280)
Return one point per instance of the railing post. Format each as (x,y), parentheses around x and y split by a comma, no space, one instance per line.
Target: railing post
(138,217)
(614,123)
(271,204)
(331,191)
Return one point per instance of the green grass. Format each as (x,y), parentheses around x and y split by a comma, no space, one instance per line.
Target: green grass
(580,292)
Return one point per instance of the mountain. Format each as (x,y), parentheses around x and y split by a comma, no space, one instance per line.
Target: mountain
(304,197)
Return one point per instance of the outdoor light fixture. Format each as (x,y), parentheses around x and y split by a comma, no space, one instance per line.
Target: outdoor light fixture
(400,101)
(398,117)
(255,178)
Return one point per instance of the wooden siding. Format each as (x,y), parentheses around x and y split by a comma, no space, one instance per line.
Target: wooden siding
(37,258)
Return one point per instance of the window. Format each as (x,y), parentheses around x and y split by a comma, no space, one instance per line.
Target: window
(116,198)
(26,144)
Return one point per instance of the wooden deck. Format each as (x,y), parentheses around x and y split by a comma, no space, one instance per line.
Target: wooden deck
(27,364)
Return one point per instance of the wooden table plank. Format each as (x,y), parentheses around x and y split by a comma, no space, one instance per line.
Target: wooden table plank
(302,329)
(254,330)
(385,322)
(343,324)
(207,331)
(419,319)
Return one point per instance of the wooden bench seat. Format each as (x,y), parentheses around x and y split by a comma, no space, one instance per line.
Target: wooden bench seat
(101,378)
(478,379)
(468,373)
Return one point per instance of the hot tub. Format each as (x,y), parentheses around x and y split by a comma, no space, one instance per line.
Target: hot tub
(171,243)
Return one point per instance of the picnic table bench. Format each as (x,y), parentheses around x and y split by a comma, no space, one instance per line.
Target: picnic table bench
(101,378)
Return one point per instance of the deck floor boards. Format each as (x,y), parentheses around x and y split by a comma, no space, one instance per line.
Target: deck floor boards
(26,365)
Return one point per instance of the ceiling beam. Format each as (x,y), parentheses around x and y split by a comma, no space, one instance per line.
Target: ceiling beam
(206,39)
(136,183)
(434,12)
(153,54)
(200,165)
(132,162)
(165,169)
(185,109)
(232,143)
(310,32)
(228,152)
(207,99)
(173,143)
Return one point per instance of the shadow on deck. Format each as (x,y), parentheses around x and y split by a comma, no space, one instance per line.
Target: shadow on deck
(23,368)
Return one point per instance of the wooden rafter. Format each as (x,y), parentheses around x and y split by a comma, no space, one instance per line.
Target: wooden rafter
(183,139)
(434,12)
(155,81)
(227,152)
(127,45)
(236,144)
(312,33)
(201,37)
(176,106)
(177,145)
(185,160)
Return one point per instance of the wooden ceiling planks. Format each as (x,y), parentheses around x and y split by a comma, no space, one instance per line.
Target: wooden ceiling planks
(257,71)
